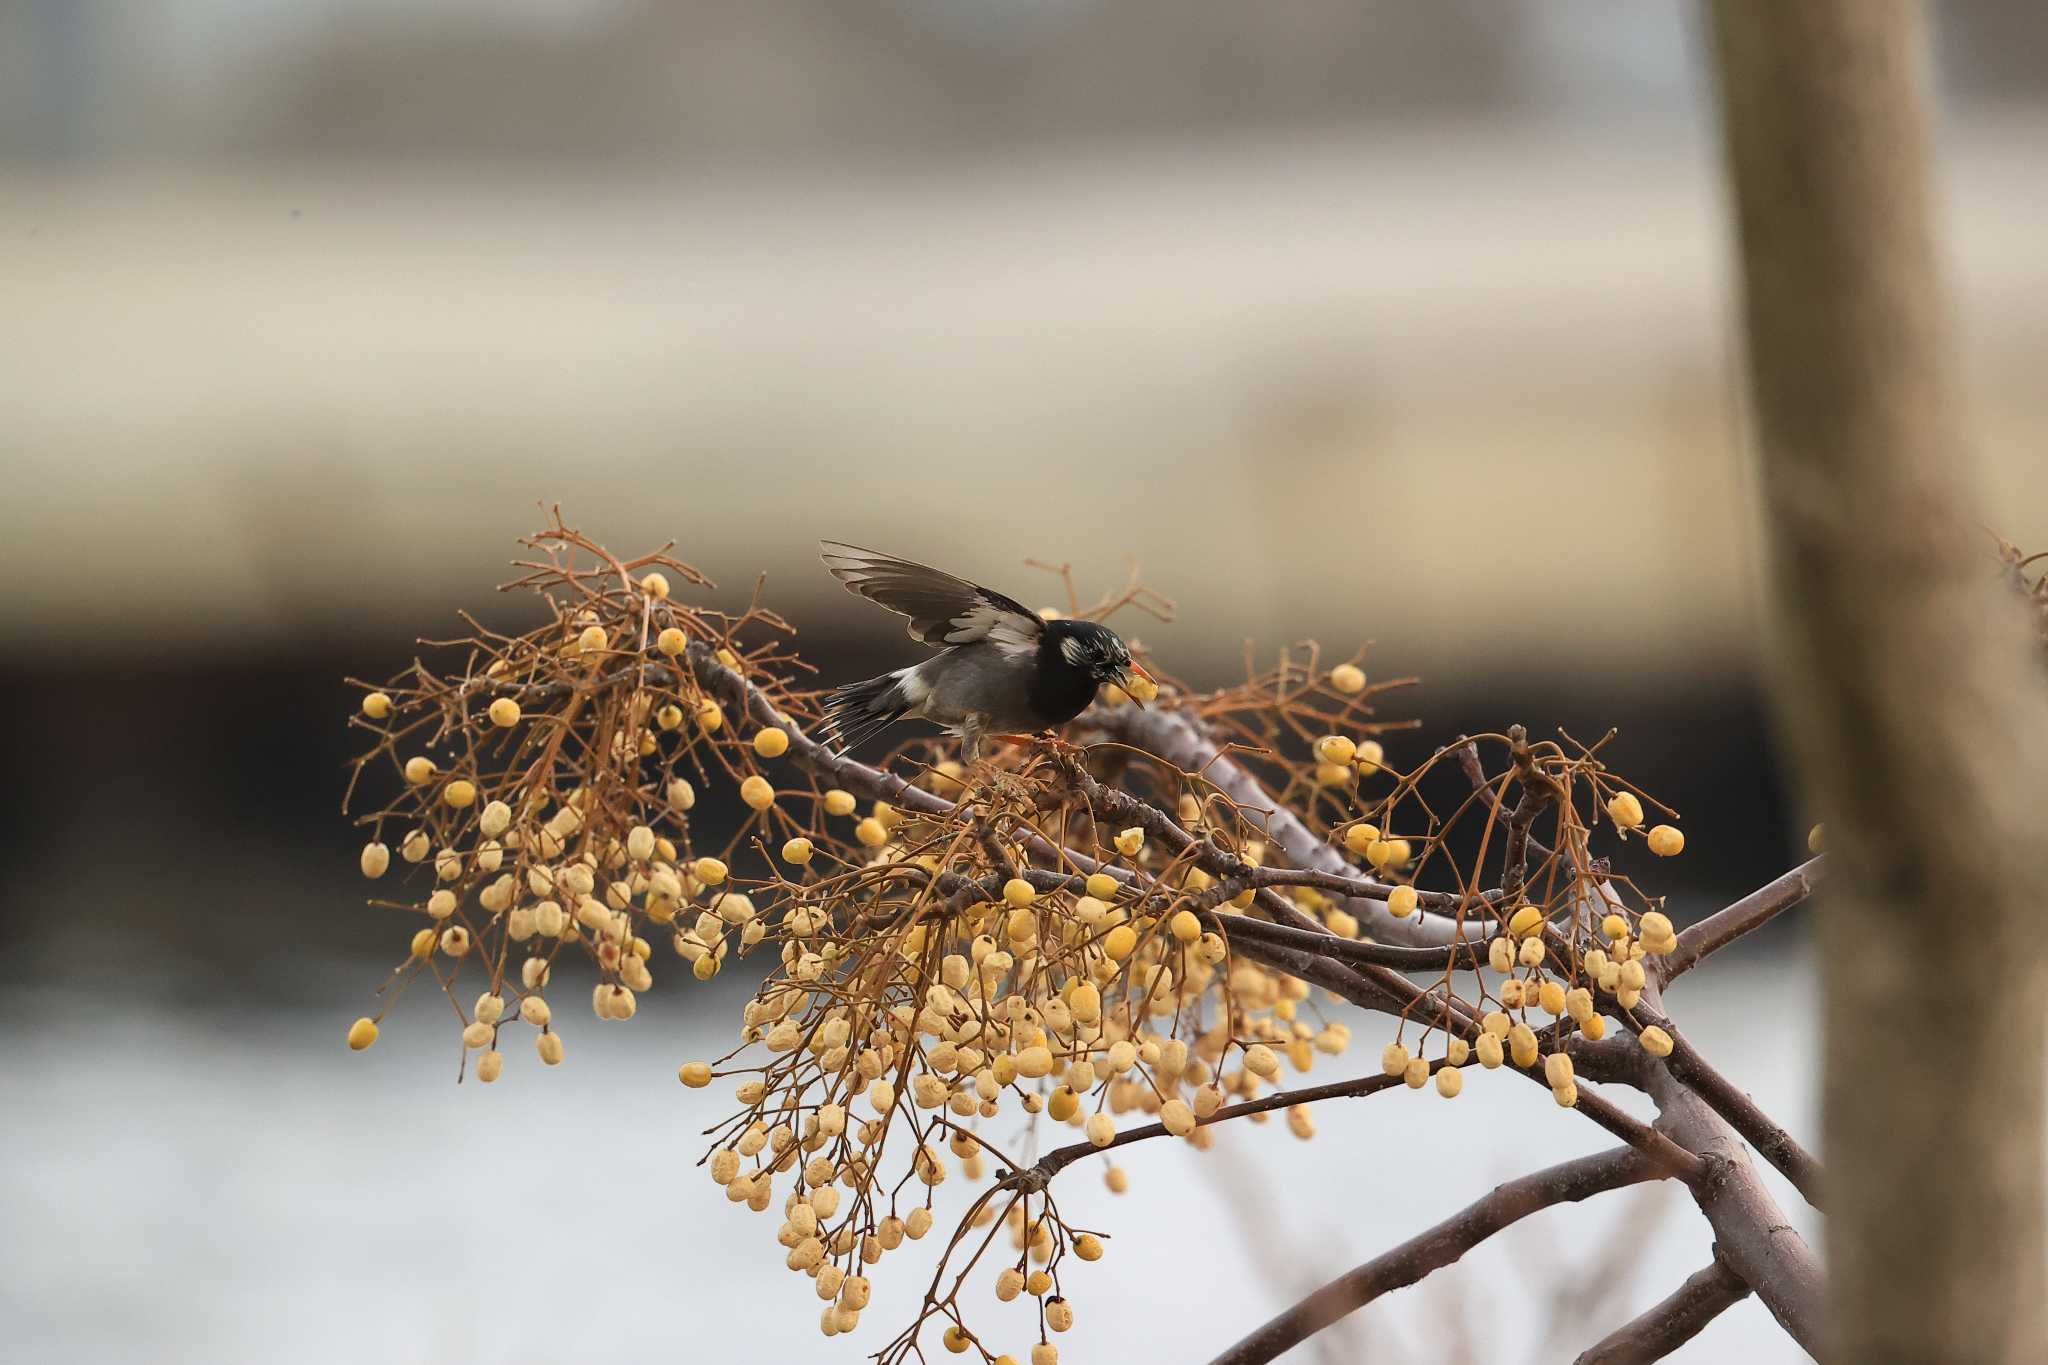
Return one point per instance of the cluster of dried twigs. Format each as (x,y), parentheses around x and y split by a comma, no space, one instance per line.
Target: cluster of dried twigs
(1136,938)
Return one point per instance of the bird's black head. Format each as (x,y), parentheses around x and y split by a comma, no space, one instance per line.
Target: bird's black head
(1092,649)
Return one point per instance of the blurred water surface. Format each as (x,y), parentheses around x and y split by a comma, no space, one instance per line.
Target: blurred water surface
(214,1185)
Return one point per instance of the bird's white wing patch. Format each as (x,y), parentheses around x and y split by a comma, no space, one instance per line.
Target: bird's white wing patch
(987,621)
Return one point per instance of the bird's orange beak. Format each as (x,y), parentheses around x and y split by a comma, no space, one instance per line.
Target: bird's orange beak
(1139,670)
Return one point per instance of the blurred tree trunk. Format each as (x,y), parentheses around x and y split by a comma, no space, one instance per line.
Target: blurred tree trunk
(1920,722)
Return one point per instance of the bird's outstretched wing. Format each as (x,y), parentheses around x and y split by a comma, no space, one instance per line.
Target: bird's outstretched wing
(943,610)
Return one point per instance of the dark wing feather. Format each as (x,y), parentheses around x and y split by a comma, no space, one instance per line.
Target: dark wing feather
(943,610)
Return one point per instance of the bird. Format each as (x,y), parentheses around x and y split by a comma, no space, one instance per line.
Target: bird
(1001,668)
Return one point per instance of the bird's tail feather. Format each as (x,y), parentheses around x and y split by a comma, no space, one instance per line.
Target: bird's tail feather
(859,711)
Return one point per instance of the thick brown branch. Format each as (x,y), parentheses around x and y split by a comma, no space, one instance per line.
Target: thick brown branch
(1751,913)
(1442,1245)
(1668,1325)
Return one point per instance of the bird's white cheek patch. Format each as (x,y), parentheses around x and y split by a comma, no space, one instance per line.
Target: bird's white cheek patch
(1075,655)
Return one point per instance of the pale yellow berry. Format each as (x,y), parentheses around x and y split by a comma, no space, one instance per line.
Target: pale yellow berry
(534,1010)
(1118,943)
(455,941)
(489,1008)
(1009,1283)
(1401,902)
(1178,1118)
(1557,1069)
(1593,1027)
(504,713)
(710,717)
(1656,1041)
(871,832)
(1359,838)
(1335,749)
(419,770)
(1370,756)
(1657,933)
(1045,1353)
(375,860)
(1496,1023)
(1522,1045)
(494,820)
(1614,927)
(1532,952)
(696,1075)
(757,792)
(1261,1061)
(1578,1003)
(377,705)
(1101,1130)
(710,871)
(1417,1073)
(797,850)
(1394,1059)
(1550,998)
(654,585)
(1019,892)
(460,793)
(1625,810)
(1525,921)
(1130,842)
(549,1045)
(1088,1247)
(1059,1314)
(361,1034)
(1116,1178)
(1487,1050)
(1348,679)
(1102,886)
(671,642)
(476,1035)
(1500,954)
(490,1065)
(1566,1095)
(1456,1050)
(771,742)
(1816,838)
(415,846)
(423,943)
(1186,926)
(839,802)
(1450,1080)
(1388,854)
(1666,841)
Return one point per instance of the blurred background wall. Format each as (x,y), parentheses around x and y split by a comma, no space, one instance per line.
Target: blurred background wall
(1343,319)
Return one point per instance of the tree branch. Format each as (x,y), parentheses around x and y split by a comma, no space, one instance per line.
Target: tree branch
(1442,1245)
(1668,1325)
(1747,915)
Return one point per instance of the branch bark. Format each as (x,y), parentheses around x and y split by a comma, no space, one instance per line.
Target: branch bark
(1745,916)
(1909,687)
(1668,1325)
(1442,1245)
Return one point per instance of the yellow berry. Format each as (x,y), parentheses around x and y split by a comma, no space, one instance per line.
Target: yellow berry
(1019,892)
(1525,921)
(419,770)
(1394,1059)
(1335,749)
(871,832)
(490,1065)
(423,943)
(671,642)
(455,941)
(1566,1095)
(1625,810)
(710,871)
(1261,1061)
(1130,841)
(1500,954)
(757,792)
(955,1339)
(1116,1178)
(377,705)
(1656,1041)
(1578,1003)
(1101,1130)
(1102,886)
(1401,902)
(361,1034)
(1369,757)
(1387,854)
(1059,1314)
(591,640)
(654,585)
(1119,942)
(696,1075)
(669,717)
(1045,1353)
(1667,841)
(1348,679)
(1450,1080)
(1359,838)
(375,859)
(549,1045)
(710,716)
(1342,923)
(1816,838)
(1487,1049)
(1594,1027)
(797,850)
(1186,926)
(705,967)
(504,713)
(1522,1044)
(1614,927)
(1178,1118)
(1417,1074)
(460,793)
(838,802)
(1062,1105)
(1551,997)
(1088,1247)
(771,742)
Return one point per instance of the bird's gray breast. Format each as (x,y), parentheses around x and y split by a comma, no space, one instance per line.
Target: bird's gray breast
(977,679)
